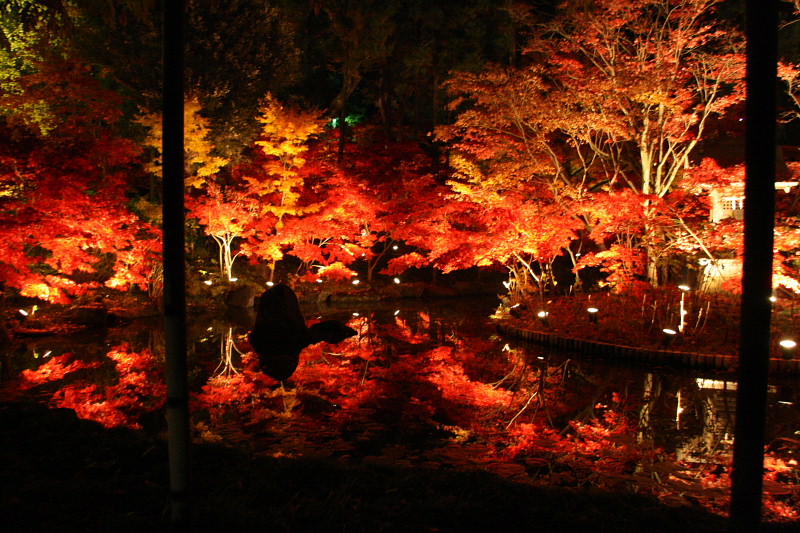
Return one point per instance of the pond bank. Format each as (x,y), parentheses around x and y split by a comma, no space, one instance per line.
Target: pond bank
(637,354)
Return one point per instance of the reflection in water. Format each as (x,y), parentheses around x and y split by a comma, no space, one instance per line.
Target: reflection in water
(430,385)
(717,409)
(227,347)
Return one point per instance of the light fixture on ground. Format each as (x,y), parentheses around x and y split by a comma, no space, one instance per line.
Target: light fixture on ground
(788,347)
(592,314)
(669,336)
(543,317)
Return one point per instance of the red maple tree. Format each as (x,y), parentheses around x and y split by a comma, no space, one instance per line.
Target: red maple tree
(65,176)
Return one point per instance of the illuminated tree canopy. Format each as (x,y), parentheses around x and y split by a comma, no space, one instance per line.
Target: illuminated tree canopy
(574,132)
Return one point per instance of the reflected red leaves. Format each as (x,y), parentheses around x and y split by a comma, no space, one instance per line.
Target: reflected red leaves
(135,388)
(393,397)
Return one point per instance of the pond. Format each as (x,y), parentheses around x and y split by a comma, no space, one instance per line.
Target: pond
(429,384)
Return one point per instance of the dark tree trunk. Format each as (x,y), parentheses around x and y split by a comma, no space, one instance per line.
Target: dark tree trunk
(759,218)
(175,264)
(342,133)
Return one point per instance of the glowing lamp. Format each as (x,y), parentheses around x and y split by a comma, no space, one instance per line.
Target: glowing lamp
(543,317)
(684,287)
(23,312)
(234,279)
(270,284)
(669,336)
(208,282)
(592,314)
(356,281)
(788,348)
(397,280)
(319,280)
(394,247)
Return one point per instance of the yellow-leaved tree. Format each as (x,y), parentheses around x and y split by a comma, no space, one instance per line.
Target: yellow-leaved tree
(276,181)
(284,137)
(198,148)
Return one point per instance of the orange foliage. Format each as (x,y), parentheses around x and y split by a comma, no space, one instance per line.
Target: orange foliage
(65,226)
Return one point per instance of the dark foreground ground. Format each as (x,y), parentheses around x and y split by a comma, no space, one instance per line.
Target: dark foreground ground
(60,473)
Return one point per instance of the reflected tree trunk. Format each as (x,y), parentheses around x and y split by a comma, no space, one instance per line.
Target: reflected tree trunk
(651,392)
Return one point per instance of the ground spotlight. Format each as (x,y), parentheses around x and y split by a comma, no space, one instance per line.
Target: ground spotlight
(788,347)
(544,317)
(669,336)
(592,314)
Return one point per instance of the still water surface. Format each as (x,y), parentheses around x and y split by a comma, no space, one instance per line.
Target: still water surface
(423,383)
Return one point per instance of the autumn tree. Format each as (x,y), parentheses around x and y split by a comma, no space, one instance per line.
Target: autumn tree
(221,211)
(330,240)
(391,178)
(273,180)
(356,202)
(225,215)
(64,178)
(616,95)
(200,161)
(517,166)
(661,71)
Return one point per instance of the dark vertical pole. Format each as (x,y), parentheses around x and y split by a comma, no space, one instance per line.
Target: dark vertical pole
(174,264)
(759,214)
